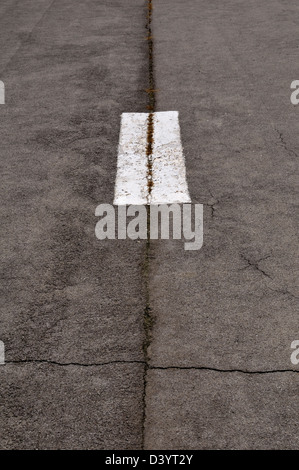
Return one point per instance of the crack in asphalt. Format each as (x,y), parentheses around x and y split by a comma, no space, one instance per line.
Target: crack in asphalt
(284,292)
(149,155)
(212,205)
(284,144)
(151,80)
(215,369)
(149,367)
(255,264)
(147,314)
(151,101)
(66,364)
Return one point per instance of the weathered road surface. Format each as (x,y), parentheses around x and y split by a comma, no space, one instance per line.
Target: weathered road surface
(70,69)
(77,312)
(227,68)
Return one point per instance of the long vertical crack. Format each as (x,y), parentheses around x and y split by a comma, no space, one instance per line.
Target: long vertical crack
(151,100)
(149,155)
(147,316)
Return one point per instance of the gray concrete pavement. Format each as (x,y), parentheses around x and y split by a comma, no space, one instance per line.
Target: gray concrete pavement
(74,313)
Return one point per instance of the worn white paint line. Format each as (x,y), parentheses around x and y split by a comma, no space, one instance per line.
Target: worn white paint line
(131,178)
(168,164)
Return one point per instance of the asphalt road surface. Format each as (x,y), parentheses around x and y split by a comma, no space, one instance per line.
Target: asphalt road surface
(130,344)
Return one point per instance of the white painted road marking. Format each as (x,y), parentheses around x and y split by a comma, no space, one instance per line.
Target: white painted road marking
(2,93)
(131,178)
(169,172)
(2,353)
(168,163)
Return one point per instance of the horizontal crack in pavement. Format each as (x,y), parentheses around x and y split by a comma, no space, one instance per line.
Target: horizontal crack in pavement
(214,369)
(99,364)
(65,364)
